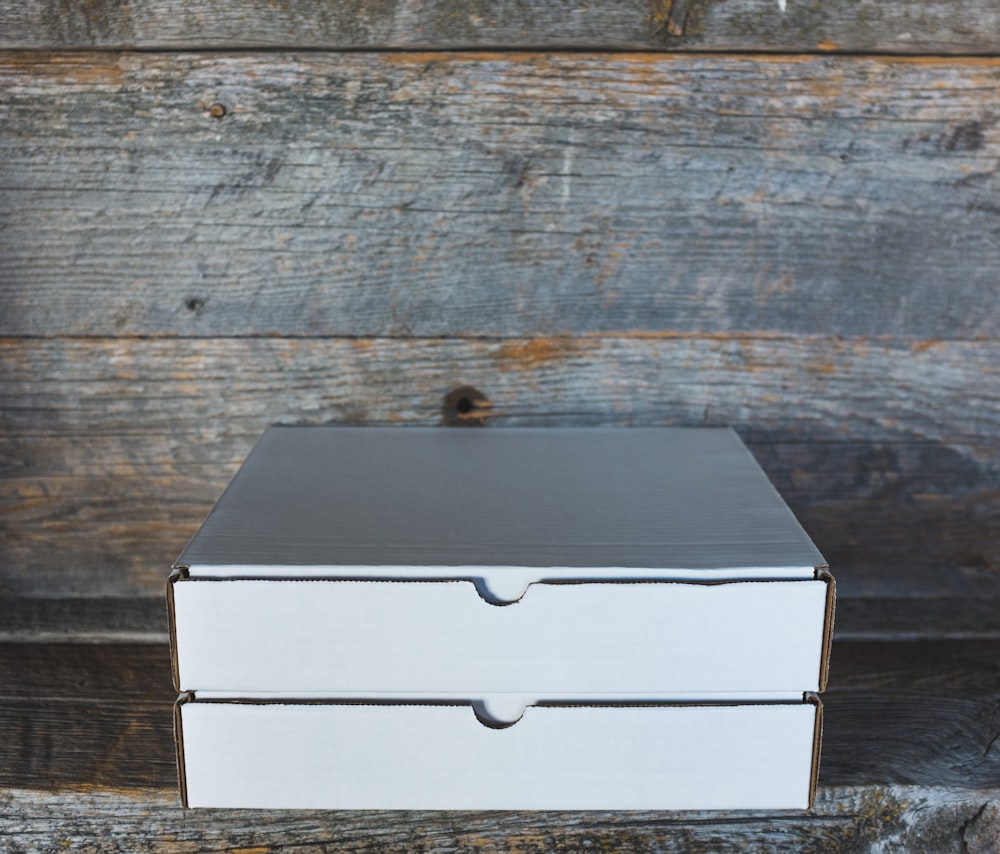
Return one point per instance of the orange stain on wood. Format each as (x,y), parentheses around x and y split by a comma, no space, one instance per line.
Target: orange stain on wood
(87,68)
(30,491)
(924,346)
(532,354)
(827,45)
(598,58)
(659,15)
(426,57)
(743,338)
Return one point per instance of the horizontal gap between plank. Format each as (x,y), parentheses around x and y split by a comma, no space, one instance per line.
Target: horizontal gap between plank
(16,436)
(140,637)
(133,800)
(874,340)
(492,51)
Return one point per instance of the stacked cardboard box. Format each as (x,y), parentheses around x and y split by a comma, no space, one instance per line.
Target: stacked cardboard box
(500,619)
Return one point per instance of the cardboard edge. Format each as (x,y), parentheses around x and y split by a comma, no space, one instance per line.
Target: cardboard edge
(810,697)
(279,700)
(823,574)
(185,697)
(178,573)
(453,579)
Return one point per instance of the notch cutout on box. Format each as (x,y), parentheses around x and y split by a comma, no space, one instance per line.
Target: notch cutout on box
(499,712)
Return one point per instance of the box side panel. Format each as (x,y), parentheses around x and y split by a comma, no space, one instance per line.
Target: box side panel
(814,700)
(181,701)
(828,623)
(441,757)
(441,638)
(175,576)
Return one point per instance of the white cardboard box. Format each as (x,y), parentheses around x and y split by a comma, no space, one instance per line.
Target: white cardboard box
(347,561)
(359,597)
(352,756)
(439,639)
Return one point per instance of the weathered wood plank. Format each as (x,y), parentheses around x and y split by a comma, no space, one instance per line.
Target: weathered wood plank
(960,617)
(925,712)
(855,820)
(816,389)
(86,714)
(470,194)
(84,619)
(899,26)
(116,448)
(116,675)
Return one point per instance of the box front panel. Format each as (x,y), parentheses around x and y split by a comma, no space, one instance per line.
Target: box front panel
(343,756)
(370,638)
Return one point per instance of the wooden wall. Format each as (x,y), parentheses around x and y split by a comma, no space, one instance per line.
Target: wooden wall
(198,243)
(216,216)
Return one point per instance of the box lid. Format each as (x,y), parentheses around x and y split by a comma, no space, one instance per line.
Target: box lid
(564,503)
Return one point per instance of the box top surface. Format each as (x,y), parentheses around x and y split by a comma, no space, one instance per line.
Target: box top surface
(658,498)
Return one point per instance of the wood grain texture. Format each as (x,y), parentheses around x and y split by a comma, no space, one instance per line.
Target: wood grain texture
(851,820)
(848,820)
(88,619)
(909,618)
(899,26)
(81,714)
(506,195)
(88,729)
(925,712)
(115,449)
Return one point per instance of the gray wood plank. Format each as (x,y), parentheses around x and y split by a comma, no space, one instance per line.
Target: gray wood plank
(820,389)
(407,194)
(899,26)
(961,617)
(115,449)
(851,820)
(923,712)
(84,619)
(86,714)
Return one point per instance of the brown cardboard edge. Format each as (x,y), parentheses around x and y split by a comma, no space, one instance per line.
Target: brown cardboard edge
(178,573)
(183,698)
(823,574)
(810,697)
